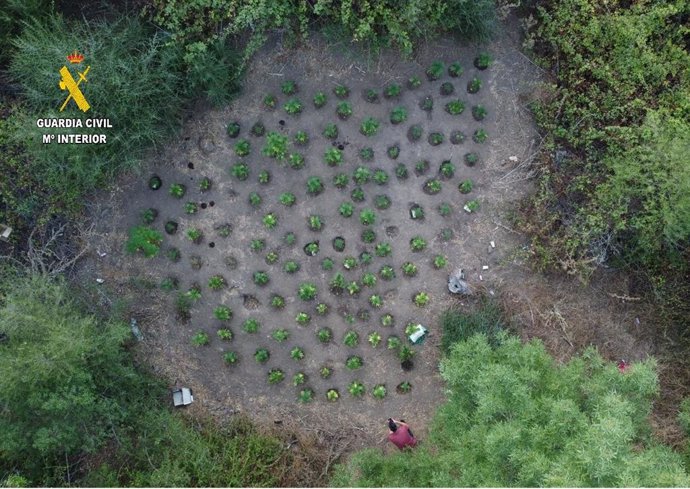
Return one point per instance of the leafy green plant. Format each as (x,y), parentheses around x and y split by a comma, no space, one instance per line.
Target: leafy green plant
(177,190)
(435,138)
(337,283)
(455,69)
(291,266)
(356,388)
(455,107)
(312,248)
(288,199)
(366,154)
(333,157)
(432,186)
(457,137)
(386,272)
(380,177)
(414,82)
(393,343)
(169,283)
(314,186)
(276,146)
(417,243)
(270,221)
(191,207)
(277,301)
(446,170)
(301,138)
(216,282)
(296,161)
(383,249)
(354,362)
(240,171)
(230,357)
(474,85)
(280,335)
(327,264)
(320,99)
(324,335)
(233,129)
(367,217)
(173,254)
(421,299)
(224,230)
(351,339)
(257,245)
(375,301)
(321,309)
(200,339)
(314,222)
(270,101)
(346,209)
(398,115)
(471,205)
(361,175)
(471,159)
(305,396)
(144,240)
(194,235)
(393,152)
(297,353)
(340,180)
(332,395)
(261,355)
(341,91)
(426,104)
(242,147)
(275,376)
(302,318)
(272,257)
(330,131)
(465,187)
(421,167)
(382,202)
(409,269)
(371,96)
(289,87)
(379,391)
(368,279)
(299,378)
(222,313)
(293,107)
(446,89)
(369,126)
(349,263)
(194,292)
(260,278)
(170,227)
(374,339)
(357,194)
(224,334)
(392,90)
(435,70)
(307,291)
(401,172)
(444,209)
(251,325)
(258,129)
(149,215)
(414,133)
(479,112)
(344,110)
(339,243)
(368,235)
(480,136)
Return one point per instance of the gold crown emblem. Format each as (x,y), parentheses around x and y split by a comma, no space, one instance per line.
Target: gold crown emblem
(75,57)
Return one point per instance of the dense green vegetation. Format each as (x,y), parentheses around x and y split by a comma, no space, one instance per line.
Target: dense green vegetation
(615,182)
(515,417)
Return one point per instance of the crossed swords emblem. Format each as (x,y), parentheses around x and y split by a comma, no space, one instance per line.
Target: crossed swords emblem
(68,83)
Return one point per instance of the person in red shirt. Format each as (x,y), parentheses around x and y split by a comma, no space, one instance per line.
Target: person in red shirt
(400,434)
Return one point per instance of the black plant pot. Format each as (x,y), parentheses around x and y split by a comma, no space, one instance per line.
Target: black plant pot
(407,365)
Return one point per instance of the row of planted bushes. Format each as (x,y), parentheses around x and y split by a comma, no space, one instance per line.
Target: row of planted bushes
(615,184)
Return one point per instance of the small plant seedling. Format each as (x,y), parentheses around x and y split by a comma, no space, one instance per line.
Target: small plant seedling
(427,103)
(224,334)
(361,175)
(305,396)
(293,106)
(264,177)
(414,133)
(340,180)
(258,129)
(392,91)
(403,387)
(435,70)
(375,301)
(401,172)
(382,202)
(216,282)
(371,96)
(233,129)
(398,115)
(299,378)
(262,355)
(471,206)
(297,353)
(474,85)
(315,223)
(465,187)
(383,249)
(276,146)
(339,244)
(440,261)
(353,362)
(230,357)
(289,239)
(332,395)
(324,335)
(289,87)
(302,318)
(222,313)
(357,194)
(330,131)
(280,335)
(194,235)
(455,69)
(194,292)
(374,339)
(240,171)
(312,248)
(337,284)
(344,110)
(314,186)
(387,273)
(351,339)
(270,221)
(435,138)
(369,127)
(307,291)
(446,170)
(417,243)
(291,266)
(320,99)
(349,263)
(432,187)
(301,138)
(367,154)
(275,376)
(367,217)
(251,325)
(369,279)
(321,309)
(257,245)
(421,167)
(173,254)
(296,161)
(200,339)
(327,264)
(379,391)
(387,320)
(457,137)
(446,89)
(414,82)
(380,177)
(480,136)
(260,278)
(368,236)
(169,283)
(482,61)
(393,152)
(479,112)
(341,91)
(444,209)
(170,227)
(149,215)
(365,258)
(471,159)
(405,354)
(191,208)
(409,269)
(242,147)
(177,190)
(277,301)
(421,299)
(270,101)
(288,199)
(455,107)
(224,230)
(356,388)
(393,343)
(333,157)
(346,209)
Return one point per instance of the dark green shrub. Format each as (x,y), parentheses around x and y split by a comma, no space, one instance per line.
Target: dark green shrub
(369,126)
(392,91)
(340,180)
(320,99)
(455,107)
(478,112)
(341,91)
(414,133)
(289,87)
(398,115)
(330,131)
(414,82)
(455,69)
(435,70)
(446,89)
(474,85)
(344,110)
(145,240)
(393,152)
(482,61)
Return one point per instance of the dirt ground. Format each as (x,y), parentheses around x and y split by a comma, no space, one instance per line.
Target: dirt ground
(565,314)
